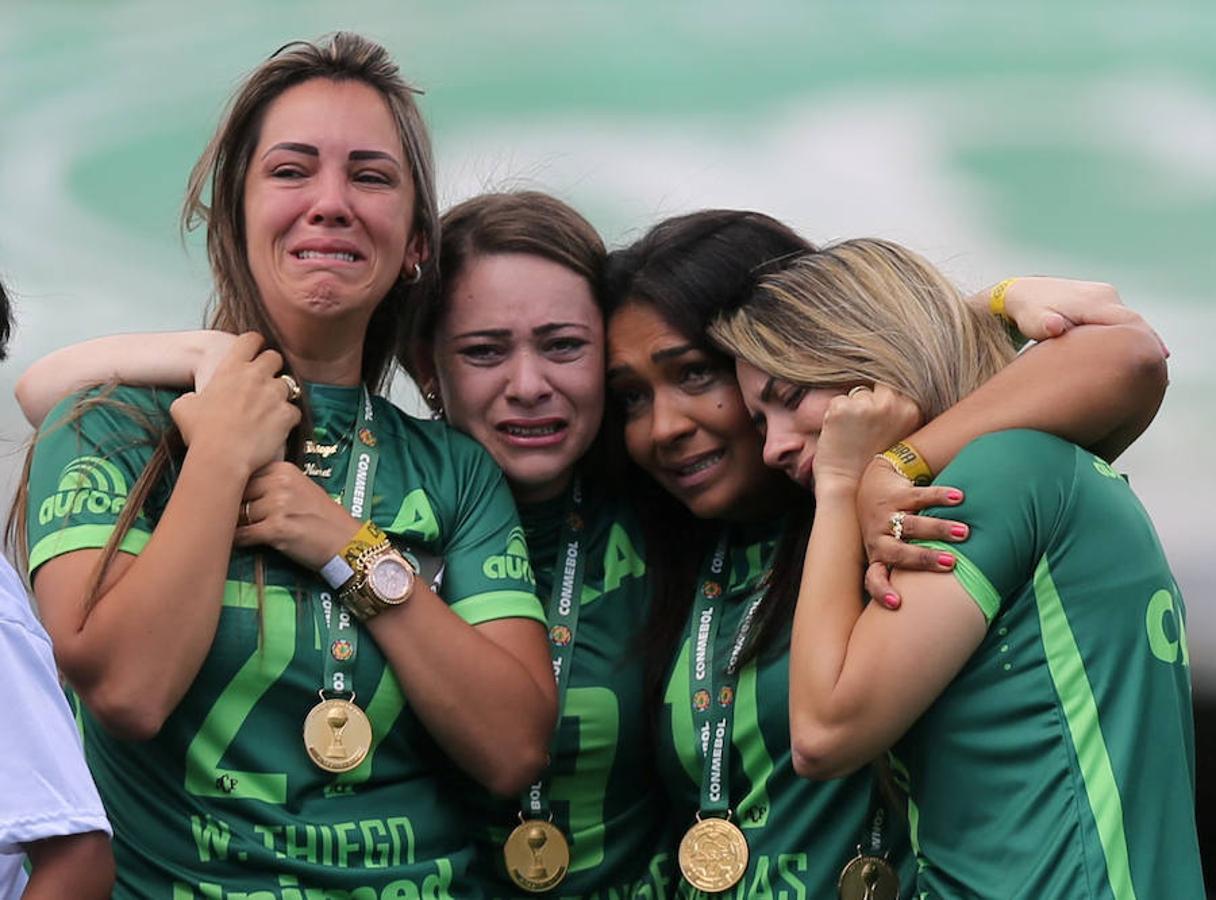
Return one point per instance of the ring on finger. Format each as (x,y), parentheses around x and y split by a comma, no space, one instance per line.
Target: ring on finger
(897,525)
(293,387)
(858,389)
(245,518)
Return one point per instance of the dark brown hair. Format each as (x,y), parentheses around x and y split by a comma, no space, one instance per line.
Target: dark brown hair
(691,269)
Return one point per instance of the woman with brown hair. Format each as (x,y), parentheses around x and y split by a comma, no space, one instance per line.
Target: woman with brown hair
(277,720)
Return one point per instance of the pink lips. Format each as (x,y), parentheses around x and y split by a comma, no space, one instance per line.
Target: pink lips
(533,433)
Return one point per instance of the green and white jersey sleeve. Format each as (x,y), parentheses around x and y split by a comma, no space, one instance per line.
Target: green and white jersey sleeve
(1061,758)
(224,802)
(800,833)
(602,786)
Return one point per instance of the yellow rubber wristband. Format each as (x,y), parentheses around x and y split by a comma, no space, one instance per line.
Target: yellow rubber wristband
(907,462)
(368,536)
(996,299)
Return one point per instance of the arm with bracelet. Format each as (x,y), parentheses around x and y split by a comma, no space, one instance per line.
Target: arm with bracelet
(1099,386)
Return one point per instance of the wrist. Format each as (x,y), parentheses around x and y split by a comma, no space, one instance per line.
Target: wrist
(833,486)
(908,462)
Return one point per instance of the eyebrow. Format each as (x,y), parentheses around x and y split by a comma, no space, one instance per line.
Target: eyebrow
(671,352)
(310,150)
(769,386)
(540,330)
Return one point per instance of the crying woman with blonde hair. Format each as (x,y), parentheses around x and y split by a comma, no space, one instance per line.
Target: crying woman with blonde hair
(1015,689)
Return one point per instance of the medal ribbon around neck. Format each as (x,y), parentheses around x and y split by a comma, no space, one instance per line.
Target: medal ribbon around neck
(713,853)
(536,853)
(562,612)
(712,693)
(869,875)
(335,621)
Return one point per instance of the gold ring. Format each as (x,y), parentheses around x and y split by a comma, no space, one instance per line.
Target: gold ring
(854,390)
(897,525)
(293,387)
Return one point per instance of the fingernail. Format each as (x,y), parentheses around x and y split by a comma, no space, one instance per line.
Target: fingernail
(954,496)
(890,601)
(945,560)
(958,531)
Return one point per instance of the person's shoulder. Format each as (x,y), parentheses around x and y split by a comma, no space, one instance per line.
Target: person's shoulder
(16,612)
(1015,452)
(432,435)
(148,406)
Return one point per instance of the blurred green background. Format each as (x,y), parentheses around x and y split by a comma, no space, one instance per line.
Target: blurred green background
(1075,139)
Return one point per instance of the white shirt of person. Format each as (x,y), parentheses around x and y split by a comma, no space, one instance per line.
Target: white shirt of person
(45,787)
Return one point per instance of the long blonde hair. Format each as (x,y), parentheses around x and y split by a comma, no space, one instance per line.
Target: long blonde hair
(867,310)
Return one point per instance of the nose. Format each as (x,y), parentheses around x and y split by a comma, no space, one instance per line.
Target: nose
(526,380)
(330,202)
(669,423)
(781,448)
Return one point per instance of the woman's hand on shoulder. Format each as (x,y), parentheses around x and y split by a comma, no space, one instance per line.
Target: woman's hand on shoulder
(885,497)
(243,415)
(285,509)
(1041,307)
(856,426)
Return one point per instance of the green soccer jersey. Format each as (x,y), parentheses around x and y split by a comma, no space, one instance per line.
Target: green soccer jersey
(1060,761)
(800,833)
(602,787)
(224,802)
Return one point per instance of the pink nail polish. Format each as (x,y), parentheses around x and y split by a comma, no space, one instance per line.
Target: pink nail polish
(954,496)
(890,601)
(958,531)
(945,560)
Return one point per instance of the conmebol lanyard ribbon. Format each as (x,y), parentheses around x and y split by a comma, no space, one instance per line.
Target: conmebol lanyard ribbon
(562,614)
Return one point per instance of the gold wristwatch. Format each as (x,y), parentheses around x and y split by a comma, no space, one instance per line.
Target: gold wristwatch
(383,578)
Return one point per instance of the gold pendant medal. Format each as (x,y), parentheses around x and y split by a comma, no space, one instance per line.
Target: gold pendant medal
(337,735)
(713,855)
(537,855)
(868,878)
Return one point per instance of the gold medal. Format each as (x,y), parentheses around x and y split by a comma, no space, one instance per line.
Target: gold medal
(868,878)
(537,855)
(337,735)
(713,855)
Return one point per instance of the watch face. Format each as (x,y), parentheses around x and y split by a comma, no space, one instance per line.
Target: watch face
(391,579)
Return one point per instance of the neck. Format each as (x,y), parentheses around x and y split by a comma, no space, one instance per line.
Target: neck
(325,353)
(538,493)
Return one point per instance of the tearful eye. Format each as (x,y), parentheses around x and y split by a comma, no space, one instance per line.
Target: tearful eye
(483,354)
(794,397)
(566,347)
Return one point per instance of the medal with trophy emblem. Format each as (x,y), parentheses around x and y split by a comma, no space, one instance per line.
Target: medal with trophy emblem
(536,852)
(713,854)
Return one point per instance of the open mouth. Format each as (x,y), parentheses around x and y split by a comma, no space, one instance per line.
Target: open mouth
(339,255)
(540,433)
(696,471)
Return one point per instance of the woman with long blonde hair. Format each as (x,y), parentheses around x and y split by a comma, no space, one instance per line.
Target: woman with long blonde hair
(1036,694)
